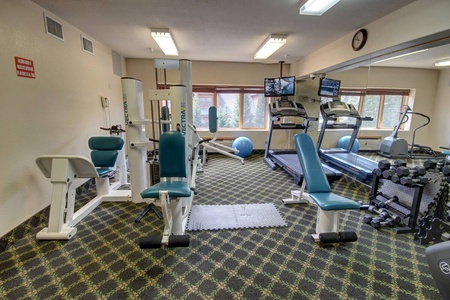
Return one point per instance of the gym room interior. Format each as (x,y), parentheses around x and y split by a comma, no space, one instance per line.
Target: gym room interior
(63,68)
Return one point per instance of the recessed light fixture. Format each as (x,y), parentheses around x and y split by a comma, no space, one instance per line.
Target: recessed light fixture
(165,41)
(442,63)
(270,45)
(316,7)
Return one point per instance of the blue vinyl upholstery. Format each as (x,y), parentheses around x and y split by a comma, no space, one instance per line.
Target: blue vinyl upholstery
(318,187)
(212,119)
(172,166)
(105,150)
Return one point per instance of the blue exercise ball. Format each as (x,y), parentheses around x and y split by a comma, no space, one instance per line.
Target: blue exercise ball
(343,143)
(244,145)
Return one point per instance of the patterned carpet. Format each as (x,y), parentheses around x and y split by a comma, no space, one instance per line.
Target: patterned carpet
(103,260)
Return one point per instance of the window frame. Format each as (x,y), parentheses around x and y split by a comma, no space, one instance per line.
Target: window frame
(232,89)
(382,92)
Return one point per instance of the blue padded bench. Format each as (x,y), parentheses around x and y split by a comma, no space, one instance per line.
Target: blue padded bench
(319,190)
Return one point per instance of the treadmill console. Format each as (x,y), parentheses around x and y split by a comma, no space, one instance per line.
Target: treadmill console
(287,108)
(338,109)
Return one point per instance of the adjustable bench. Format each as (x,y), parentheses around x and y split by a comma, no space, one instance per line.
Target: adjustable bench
(319,192)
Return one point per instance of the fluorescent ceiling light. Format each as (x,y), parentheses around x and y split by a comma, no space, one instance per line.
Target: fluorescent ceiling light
(317,7)
(164,40)
(398,56)
(442,63)
(272,44)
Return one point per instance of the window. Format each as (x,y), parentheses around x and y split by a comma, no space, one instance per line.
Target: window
(237,107)
(383,105)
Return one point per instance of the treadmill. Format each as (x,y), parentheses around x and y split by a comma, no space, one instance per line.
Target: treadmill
(288,159)
(353,163)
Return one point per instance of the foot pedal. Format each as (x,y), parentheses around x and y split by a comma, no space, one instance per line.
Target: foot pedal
(178,241)
(348,236)
(150,242)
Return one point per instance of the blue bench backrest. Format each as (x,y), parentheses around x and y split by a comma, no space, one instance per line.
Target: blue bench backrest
(313,173)
(105,150)
(172,158)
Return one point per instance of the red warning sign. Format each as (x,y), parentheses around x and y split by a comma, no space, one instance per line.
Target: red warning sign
(24,67)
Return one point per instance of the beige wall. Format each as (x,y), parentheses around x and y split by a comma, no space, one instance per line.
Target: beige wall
(419,19)
(55,113)
(441,111)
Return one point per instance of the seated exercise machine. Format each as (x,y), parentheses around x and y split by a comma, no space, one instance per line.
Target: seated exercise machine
(173,186)
(351,162)
(287,159)
(210,144)
(319,193)
(67,172)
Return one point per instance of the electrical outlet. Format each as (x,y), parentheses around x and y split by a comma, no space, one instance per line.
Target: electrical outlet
(105,102)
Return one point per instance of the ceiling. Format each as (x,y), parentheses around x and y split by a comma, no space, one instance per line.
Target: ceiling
(216,30)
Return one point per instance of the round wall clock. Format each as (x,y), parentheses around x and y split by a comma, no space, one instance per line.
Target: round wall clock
(359,39)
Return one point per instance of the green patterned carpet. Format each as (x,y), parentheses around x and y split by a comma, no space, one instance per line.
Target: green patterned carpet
(103,260)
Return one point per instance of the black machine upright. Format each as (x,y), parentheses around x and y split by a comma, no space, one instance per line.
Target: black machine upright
(351,162)
(288,159)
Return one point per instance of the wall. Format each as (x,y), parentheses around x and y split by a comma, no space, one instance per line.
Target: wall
(221,73)
(55,113)
(441,120)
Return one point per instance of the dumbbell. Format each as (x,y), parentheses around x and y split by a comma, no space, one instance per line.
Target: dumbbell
(367,219)
(382,214)
(384,203)
(429,164)
(395,178)
(399,163)
(411,181)
(384,164)
(387,174)
(446,170)
(377,223)
(420,171)
(402,171)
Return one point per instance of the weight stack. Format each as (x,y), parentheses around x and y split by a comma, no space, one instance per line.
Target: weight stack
(154,172)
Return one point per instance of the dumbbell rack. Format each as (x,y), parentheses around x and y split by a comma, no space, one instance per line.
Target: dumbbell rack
(412,213)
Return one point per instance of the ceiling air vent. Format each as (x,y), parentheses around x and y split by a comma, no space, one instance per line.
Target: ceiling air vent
(54,28)
(87,45)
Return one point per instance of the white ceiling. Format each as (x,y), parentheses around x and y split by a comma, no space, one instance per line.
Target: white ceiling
(216,30)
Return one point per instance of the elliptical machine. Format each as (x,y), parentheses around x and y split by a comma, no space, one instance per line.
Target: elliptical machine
(393,146)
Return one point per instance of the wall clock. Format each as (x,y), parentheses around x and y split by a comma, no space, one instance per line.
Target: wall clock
(359,39)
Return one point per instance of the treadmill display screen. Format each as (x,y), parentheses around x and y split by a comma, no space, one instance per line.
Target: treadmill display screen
(329,87)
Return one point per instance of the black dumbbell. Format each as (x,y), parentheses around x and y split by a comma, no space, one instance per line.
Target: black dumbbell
(382,213)
(395,178)
(384,203)
(418,171)
(429,164)
(402,171)
(367,219)
(446,170)
(378,172)
(387,174)
(412,181)
(377,223)
(384,164)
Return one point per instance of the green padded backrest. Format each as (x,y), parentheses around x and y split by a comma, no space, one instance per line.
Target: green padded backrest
(172,158)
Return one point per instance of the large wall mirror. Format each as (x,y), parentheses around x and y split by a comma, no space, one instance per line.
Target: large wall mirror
(404,74)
